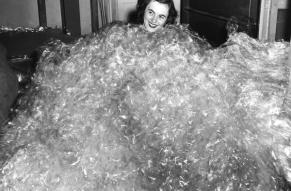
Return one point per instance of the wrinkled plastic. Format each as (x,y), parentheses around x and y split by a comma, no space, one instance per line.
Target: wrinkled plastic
(125,109)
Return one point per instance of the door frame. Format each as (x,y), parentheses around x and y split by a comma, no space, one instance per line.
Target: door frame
(268,18)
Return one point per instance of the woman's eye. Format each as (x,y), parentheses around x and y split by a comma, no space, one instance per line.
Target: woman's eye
(150,12)
(162,17)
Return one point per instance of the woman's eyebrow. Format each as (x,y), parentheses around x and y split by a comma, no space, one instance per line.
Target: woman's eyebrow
(151,10)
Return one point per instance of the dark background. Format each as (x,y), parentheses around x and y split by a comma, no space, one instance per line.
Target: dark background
(209,18)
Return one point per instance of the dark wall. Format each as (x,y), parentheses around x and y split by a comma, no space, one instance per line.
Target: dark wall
(209,18)
(18,13)
(283,28)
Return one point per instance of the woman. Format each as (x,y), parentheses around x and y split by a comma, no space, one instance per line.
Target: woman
(155,14)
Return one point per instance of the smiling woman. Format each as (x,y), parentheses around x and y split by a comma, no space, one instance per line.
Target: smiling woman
(155,14)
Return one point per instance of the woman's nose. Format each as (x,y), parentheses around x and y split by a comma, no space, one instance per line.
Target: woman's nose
(154,19)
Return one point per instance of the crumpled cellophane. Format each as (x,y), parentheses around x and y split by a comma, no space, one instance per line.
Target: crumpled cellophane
(129,110)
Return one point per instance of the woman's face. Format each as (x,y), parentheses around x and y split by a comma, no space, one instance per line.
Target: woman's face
(155,16)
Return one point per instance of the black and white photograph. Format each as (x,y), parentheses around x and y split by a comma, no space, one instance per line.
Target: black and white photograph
(145,95)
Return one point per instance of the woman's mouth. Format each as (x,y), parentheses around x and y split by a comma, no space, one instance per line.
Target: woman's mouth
(152,25)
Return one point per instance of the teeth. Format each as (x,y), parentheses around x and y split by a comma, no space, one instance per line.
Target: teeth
(153,26)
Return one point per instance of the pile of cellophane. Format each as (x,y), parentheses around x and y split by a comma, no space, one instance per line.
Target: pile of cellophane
(125,109)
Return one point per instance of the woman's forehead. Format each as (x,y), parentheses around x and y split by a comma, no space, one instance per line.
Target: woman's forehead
(160,8)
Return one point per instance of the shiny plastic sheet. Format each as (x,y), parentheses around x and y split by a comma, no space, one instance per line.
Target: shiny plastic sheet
(129,110)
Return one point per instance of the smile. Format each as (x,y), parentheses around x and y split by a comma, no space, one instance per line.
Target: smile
(152,25)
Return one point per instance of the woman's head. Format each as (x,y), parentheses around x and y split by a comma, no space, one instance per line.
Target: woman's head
(154,14)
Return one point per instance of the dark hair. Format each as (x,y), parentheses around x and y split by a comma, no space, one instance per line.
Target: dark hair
(142,4)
